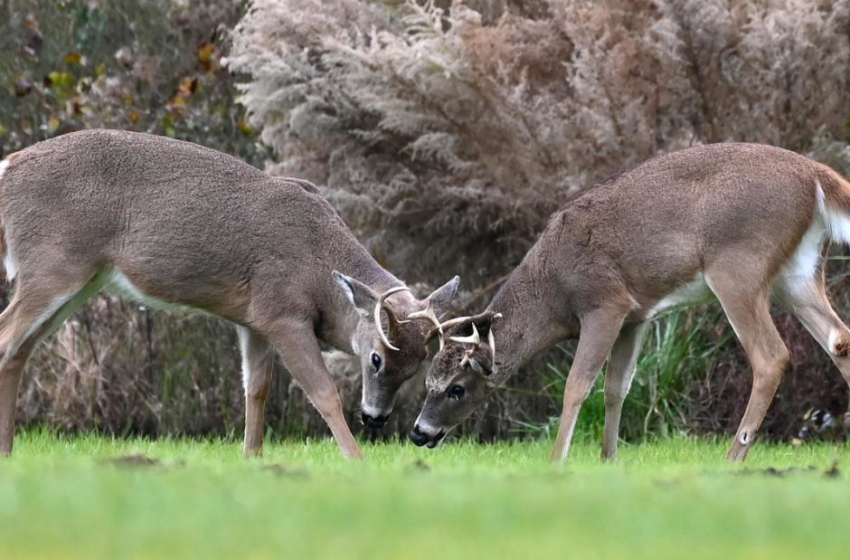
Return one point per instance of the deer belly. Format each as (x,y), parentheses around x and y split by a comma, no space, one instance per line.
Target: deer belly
(695,291)
(122,286)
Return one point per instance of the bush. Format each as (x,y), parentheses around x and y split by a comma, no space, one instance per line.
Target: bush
(447,133)
(149,66)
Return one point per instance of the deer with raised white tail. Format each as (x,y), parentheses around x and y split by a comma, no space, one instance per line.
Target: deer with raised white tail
(735,222)
(173,224)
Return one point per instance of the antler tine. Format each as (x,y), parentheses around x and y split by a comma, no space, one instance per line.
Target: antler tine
(430,315)
(466,356)
(491,340)
(378,306)
(453,322)
(475,338)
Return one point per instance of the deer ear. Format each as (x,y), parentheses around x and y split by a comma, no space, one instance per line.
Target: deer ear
(442,297)
(359,294)
(478,368)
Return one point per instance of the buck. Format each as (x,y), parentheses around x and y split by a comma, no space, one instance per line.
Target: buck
(173,224)
(739,222)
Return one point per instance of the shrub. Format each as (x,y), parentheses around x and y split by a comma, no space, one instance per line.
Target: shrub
(447,133)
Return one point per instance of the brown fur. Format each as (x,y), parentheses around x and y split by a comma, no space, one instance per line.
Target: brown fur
(735,213)
(193,227)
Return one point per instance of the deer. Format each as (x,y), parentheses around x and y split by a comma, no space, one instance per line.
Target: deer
(176,225)
(738,223)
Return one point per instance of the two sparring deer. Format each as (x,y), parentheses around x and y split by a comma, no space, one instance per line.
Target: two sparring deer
(739,222)
(174,224)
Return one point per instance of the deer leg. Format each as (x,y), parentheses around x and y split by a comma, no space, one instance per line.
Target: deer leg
(748,310)
(300,352)
(618,380)
(599,330)
(35,312)
(809,303)
(257,372)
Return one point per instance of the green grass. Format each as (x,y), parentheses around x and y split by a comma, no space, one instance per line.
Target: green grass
(61,497)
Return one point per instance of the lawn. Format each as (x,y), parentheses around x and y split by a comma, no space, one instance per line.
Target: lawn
(93,497)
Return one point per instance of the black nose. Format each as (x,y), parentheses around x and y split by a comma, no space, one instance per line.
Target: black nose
(418,437)
(374,422)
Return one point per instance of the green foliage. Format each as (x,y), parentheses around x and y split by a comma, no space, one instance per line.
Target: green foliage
(680,348)
(151,66)
(82,498)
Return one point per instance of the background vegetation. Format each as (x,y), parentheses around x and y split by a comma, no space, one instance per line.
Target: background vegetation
(445,132)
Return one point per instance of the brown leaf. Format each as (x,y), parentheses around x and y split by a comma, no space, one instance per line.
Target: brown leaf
(31,22)
(73,58)
(124,57)
(23,87)
(207,58)
(33,45)
(206,52)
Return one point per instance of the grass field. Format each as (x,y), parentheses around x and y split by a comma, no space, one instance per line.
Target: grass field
(90,497)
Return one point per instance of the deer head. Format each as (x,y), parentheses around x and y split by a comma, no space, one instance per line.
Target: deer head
(391,339)
(460,378)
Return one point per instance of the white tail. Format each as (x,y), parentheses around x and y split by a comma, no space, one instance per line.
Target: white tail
(834,209)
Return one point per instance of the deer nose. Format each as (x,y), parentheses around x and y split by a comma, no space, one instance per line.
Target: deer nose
(374,422)
(417,436)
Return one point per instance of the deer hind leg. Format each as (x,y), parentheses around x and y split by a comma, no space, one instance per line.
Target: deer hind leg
(257,372)
(35,312)
(599,331)
(618,380)
(748,310)
(808,301)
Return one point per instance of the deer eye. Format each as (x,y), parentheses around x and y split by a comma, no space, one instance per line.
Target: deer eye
(376,361)
(456,392)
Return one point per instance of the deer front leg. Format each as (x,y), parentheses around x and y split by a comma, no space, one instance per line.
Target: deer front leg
(618,380)
(257,373)
(599,330)
(302,356)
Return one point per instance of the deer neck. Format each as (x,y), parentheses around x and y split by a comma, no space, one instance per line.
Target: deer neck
(533,319)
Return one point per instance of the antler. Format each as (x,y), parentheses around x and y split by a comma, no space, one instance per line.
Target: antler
(380,305)
(429,315)
(491,339)
(475,338)
(453,322)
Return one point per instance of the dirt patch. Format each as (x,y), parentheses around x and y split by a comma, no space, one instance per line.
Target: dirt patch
(280,470)
(134,460)
(777,473)
(833,471)
(419,466)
